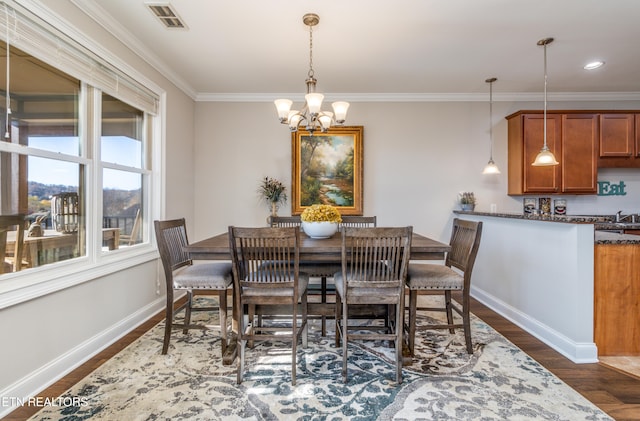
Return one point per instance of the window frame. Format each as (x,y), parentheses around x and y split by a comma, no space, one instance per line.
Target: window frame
(26,285)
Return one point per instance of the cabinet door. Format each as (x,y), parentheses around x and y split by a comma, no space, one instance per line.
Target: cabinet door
(637,130)
(541,179)
(616,135)
(579,159)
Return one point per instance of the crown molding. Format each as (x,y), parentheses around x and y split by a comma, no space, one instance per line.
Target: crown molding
(428,97)
(102,18)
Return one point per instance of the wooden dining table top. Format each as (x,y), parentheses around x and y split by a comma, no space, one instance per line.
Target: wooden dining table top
(326,249)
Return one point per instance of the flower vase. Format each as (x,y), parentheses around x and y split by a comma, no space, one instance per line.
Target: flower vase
(274,212)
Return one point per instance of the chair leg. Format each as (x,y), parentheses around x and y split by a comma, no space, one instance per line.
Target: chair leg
(252,313)
(305,328)
(168,323)
(466,321)
(222,302)
(413,304)
(398,332)
(323,300)
(294,347)
(338,312)
(187,312)
(345,338)
(240,345)
(447,302)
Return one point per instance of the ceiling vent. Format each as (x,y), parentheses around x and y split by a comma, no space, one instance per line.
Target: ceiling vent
(166,14)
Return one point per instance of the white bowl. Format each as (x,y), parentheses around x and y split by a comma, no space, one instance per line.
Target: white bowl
(319,229)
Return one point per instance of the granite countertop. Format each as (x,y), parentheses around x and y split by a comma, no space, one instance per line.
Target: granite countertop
(606,237)
(570,219)
(606,231)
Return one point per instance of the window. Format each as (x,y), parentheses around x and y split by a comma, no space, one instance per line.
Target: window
(75,153)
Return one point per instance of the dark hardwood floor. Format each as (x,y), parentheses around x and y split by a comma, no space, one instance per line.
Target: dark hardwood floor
(615,393)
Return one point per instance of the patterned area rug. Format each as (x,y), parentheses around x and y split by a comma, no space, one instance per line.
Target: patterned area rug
(497,382)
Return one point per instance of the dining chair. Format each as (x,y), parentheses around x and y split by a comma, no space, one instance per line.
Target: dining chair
(11,260)
(374,268)
(134,236)
(182,275)
(266,272)
(323,270)
(454,275)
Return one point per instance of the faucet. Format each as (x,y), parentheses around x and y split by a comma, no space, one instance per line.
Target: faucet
(621,218)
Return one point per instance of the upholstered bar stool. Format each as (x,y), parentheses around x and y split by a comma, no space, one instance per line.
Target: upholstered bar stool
(182,275)
(454,275)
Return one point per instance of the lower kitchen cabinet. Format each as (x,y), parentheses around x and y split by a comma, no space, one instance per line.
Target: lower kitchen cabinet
(617,299)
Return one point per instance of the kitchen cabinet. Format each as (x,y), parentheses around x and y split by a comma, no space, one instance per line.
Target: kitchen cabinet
(619,140)
(572,137)
(616,330)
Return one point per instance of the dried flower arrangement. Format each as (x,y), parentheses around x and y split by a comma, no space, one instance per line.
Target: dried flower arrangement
(272,191)
(467,198)
(321,213)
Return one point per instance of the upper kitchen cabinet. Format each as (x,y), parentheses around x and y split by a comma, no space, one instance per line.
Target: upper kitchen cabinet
(619,140)
(573,139)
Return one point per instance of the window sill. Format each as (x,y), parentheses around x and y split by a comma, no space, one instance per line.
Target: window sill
(46,280)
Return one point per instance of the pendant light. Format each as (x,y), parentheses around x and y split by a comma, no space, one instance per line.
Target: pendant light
(491,167)
(545,157)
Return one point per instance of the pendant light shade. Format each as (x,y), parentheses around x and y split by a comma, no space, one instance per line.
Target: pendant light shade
(545,157)
(491,167)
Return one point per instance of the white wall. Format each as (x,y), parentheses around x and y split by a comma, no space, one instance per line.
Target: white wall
(417,157)
(46,337)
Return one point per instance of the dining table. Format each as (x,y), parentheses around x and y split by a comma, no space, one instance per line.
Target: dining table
(327,250)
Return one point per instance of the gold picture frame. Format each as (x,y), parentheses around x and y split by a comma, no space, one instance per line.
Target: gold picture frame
(327,168)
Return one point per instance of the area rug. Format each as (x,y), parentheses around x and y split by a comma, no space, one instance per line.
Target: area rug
(497,382)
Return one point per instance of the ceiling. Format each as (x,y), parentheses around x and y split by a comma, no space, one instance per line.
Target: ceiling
(385,49)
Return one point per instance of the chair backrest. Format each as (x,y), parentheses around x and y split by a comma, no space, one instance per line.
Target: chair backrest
(375,257)
(465,241)
(135,230)
(11,223)
(285,221)
(265,257)
(171,237)
(358,221)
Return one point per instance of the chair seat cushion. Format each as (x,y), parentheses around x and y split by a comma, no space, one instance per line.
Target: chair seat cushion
(203,276)
(274,291)
(365,291)
(428,276)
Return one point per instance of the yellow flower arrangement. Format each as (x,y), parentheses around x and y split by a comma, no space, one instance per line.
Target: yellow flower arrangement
(321,213)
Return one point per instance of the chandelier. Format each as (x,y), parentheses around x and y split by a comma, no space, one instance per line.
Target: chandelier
(311,117)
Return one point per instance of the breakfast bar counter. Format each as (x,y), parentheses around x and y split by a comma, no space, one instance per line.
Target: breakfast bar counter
(538,272)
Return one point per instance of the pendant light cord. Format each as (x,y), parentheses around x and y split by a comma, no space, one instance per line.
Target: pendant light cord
(491,121)
(545,97)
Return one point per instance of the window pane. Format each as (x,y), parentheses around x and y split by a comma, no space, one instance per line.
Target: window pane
(121,141)
(44,104)
(122,204)
(48,193)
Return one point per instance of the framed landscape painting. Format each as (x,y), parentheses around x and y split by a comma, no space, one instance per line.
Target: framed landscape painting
(327,169)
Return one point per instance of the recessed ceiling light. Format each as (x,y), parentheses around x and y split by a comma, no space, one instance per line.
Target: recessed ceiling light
(593,65)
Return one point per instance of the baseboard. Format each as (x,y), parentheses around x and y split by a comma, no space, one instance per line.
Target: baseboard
(579,353)
(48,374)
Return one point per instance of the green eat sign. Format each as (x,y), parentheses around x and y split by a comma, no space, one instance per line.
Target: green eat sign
(606,188)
